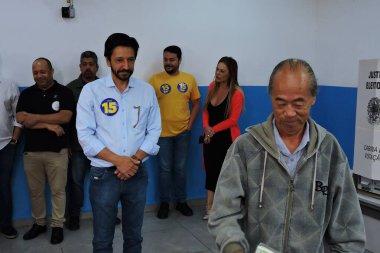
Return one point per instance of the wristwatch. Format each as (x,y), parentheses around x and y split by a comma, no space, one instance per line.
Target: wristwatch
(13,141)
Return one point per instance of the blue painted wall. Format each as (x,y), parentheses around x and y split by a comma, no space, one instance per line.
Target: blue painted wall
(335,110)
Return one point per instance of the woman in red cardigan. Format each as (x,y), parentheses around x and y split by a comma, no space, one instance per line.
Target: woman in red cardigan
(221,112)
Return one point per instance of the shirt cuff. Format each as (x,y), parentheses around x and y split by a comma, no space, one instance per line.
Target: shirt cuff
(150,148)
(16,124)
(94,149)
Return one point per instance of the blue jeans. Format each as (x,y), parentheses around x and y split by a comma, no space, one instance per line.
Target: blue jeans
(79,165)
(7,155)
(105,192)
(172,159)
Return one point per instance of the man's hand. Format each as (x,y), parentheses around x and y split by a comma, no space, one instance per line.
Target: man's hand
(233,247)
(126,167)
(21,116)
(57,129)
(29,119)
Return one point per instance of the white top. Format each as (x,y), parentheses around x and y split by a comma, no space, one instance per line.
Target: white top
(8,101)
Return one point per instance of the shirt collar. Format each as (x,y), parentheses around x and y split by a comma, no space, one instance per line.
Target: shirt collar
(81,82)
(49,89)
(281,145)
(167,75)
(110,83)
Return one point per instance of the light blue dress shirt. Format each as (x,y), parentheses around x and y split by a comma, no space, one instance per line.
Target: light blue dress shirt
(8,101)
(289,159)
(122,122)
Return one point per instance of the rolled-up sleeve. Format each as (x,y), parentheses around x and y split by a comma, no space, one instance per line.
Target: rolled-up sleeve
(15,93)
(86,124)
(153,130)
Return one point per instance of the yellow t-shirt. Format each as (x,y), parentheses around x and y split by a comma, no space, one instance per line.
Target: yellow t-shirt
(174,94)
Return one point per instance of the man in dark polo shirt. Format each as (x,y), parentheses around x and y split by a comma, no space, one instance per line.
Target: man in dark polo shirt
(45,109)
(79,164)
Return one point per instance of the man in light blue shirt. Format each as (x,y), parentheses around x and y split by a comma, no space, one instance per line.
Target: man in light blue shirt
(118,124)
(9,134)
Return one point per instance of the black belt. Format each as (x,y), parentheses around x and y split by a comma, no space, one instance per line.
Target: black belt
(111,169)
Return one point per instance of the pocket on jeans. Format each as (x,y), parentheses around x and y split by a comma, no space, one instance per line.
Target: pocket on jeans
(97,173)
(142,172)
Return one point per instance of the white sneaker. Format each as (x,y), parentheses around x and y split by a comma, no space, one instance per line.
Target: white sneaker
(205,217)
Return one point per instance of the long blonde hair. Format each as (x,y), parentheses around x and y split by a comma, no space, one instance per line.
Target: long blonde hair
(232,83)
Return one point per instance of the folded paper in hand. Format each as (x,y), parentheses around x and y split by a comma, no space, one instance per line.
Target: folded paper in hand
(263,248)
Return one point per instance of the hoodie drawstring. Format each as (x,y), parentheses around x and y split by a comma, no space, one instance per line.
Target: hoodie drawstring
(314,179)
(312,190)
(262,181)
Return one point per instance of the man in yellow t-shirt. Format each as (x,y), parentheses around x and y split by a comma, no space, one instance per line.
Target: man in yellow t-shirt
(174,90)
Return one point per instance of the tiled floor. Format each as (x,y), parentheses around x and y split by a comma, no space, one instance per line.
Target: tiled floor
(177,234)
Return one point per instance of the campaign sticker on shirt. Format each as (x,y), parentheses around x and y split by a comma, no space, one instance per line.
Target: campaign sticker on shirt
(109,106)
(182,87)
(165,88)
(55,106)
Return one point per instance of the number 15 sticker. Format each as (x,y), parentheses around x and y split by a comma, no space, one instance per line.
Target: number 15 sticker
(109,106)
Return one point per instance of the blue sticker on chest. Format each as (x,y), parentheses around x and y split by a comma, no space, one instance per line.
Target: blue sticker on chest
(182,87)
(165,88)
(109,106)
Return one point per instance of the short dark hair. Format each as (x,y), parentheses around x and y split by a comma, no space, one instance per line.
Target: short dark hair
(295,64)
(46,60)
(119,39)
(89,54)
(175,50)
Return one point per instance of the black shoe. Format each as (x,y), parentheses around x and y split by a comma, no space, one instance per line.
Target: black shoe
(56,235)
(118,221)
(163,212)
(73,223)
(183,208)
(34,232)
(9,232)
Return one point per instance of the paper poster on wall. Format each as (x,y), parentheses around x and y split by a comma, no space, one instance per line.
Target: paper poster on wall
(367,133)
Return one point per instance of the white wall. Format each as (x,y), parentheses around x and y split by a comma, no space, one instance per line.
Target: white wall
(332,35)
(257,33)
(347,32)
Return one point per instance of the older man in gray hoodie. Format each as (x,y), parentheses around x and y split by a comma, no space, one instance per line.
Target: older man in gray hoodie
(286,182)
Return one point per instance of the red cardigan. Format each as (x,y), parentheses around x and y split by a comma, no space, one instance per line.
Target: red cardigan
(231,122)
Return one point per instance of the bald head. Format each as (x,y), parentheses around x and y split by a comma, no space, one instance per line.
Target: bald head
(43,73)
(44,60)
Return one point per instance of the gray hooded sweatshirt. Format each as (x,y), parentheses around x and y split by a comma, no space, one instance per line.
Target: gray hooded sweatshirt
(256,200)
